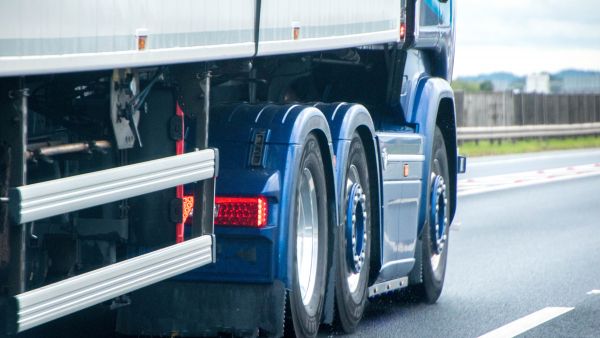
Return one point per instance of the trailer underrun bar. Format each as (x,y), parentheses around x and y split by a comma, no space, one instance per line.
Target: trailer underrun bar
(36,201)
(56,300)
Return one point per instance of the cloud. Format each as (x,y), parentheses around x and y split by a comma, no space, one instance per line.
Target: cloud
(518,35)
(522,60)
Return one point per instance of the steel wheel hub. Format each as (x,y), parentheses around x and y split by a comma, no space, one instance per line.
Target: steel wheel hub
(356,235)
(439,215)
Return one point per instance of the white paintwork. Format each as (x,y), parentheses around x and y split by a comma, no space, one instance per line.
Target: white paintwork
(475,186)
(326,43)
(405,158)
(326,24)
(40,36)
(527,323)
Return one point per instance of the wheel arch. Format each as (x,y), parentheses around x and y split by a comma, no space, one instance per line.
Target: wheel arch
(371,148)
(304,121)
(446,121)
(434,106)
(286,128)
(345,119)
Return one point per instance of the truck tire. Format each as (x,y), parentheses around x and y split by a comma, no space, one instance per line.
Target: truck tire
(436,230)
(353,245)
(308,244)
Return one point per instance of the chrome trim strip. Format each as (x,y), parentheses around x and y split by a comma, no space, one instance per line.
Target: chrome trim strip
(62,298)
(384,287)
(32,202)
(405,158)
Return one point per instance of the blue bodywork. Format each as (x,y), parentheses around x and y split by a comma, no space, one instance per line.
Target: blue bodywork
(399,157)
(261,255)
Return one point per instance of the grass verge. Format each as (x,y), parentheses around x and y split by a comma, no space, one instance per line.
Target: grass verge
(483,148)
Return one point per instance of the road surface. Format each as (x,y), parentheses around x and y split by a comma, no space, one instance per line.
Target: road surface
(521,255)
(524,258)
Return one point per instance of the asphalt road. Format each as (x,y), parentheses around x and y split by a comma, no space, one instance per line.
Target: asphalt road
(513,252)
(507,164)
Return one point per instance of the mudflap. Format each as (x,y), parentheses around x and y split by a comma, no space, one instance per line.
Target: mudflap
(204,309)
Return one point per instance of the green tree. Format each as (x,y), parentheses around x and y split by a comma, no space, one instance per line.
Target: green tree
(486,86)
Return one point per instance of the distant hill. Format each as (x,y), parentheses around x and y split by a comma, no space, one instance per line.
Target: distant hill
(578,81)
(575,73)
(569,80)
(500,80)
(498,76)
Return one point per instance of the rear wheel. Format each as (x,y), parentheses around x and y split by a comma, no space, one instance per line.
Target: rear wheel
(435,233)
(354,247)
(308,247)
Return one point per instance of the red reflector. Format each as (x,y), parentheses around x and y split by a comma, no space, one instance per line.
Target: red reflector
(242,211)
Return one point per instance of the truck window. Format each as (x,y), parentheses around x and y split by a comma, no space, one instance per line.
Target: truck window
(446,13)
(429,13)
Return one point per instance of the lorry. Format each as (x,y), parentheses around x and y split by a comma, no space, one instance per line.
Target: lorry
(252,167)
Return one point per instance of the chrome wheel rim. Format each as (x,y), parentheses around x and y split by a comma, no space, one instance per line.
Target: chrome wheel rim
(307,237)
(356,232)
(439,218)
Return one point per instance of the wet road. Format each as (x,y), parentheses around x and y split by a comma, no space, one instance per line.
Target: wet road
(513,253)
(519,255)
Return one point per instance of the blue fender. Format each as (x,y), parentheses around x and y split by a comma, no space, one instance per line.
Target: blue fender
(288,126)
(344,119)
(424,113)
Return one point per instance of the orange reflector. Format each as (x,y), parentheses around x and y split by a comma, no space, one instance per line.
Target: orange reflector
(402,31)
(141,42)
(188,207)
(242,211)
(406,170)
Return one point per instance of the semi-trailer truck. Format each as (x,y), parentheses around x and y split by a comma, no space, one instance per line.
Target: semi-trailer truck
(257,167)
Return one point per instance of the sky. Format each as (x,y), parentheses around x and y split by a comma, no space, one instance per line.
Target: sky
(526,36)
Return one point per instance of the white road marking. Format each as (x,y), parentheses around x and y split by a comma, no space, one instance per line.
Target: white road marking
(594,292)
(532,158)
(480,185)
(527,323)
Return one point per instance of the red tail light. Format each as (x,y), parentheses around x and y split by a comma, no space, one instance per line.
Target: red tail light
(242,211)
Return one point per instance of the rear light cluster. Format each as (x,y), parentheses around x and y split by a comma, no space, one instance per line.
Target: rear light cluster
(242,211)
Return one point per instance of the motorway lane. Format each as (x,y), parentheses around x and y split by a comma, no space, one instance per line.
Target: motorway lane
(512,253)
(506,164)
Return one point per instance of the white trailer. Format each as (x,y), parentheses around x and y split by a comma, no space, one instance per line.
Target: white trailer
(109,165)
